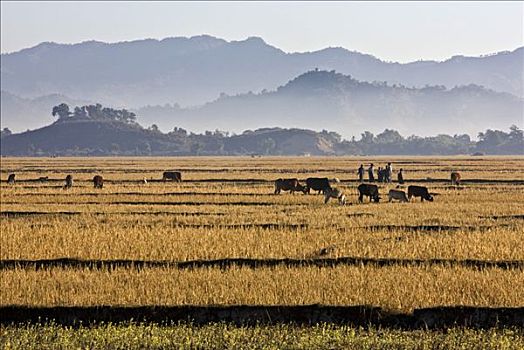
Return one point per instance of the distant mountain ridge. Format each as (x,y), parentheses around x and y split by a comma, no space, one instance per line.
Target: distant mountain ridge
(320,99)
(192,71)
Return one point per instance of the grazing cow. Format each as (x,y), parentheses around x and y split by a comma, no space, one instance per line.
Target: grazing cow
(291,185)
(398,195)
(68,182)
(334,193)
(172,175)
(98,181)
(320,184)
(455,178)
(11,179)
(43,178)
(368,190)
(144,181)
(327,250)
(419,191)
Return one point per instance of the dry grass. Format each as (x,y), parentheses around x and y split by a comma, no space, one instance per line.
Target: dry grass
(402,288)
(221,219)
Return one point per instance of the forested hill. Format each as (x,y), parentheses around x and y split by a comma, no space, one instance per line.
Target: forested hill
(95,130)
(329,100)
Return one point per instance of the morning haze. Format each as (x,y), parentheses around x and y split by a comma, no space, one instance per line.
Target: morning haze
(417,68)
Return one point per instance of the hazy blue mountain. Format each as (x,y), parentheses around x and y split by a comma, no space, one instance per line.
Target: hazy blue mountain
(192,71)
(328,100)
(22,113)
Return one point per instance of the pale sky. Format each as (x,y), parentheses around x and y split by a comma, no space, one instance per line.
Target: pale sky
(392,31)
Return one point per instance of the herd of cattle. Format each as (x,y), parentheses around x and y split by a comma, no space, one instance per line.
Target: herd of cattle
(321,185)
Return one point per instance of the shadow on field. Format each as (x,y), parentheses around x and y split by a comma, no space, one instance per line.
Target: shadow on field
(189,193)
(504,217)
(356,215)
(266,226)
(424,228)
(253,263)
(199,203)
(251,315)
(251,181)
(22,214)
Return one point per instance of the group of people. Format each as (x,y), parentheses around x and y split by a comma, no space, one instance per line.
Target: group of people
(383,174)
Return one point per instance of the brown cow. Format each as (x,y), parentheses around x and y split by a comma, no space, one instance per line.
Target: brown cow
(172,175)
(455,178)
(291,185)
(68,182)
(98,181)
(11,179)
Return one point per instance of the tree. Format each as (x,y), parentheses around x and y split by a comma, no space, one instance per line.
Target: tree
(179,131)
(492,138)
(154,128)
(367,137)
(62,110)
(80,112)
(516,134)
(127,117)
(95,111)
(389,136)
(5,132)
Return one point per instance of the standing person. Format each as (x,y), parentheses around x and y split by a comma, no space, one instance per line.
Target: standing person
(400,177)
(380,174)
(360,173)
(389,172)
(370,173)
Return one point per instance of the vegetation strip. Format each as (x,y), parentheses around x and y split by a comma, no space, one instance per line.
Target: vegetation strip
(364,316)
(252,263)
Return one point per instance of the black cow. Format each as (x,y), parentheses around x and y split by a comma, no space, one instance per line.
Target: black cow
(320,184)
(98,181)
(368,190)
(291,185)
(419,191)
(172,175)
(68,182)
(11,179)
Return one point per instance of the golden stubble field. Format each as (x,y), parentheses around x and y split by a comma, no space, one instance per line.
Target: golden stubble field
(225,208)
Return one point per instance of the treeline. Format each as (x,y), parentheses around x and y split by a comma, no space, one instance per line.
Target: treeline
(391,142)
(96,130)
(93,112)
